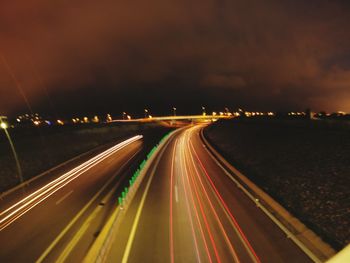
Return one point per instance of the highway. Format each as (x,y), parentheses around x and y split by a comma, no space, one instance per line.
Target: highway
(58,217)
(188,210)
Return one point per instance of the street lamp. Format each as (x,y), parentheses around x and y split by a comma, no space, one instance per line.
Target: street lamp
(124,115)
(204,112)
(4,126)
(174,110)
(146,113)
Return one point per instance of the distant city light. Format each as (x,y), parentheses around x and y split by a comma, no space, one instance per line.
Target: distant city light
(60,122)
(95,119)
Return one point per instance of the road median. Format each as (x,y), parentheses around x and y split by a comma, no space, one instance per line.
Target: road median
(100,247)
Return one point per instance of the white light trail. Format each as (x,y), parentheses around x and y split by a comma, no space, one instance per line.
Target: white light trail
(15,211)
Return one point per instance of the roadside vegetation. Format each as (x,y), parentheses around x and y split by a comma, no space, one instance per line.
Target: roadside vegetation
(303,164)
(40,149)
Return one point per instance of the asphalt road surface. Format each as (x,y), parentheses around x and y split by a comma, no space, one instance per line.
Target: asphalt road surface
(58,217)
(188,210)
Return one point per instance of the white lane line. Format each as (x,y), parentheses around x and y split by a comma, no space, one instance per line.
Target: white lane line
(82,211)
(77,169)
(140,208)
(176,194)
(64,197)
(46,191)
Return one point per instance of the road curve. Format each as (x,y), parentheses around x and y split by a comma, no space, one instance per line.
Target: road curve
(188,210)
(40,225)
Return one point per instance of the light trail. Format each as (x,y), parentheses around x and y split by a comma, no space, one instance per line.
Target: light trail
(196,209)
(15,211)
(228,242)
(189,213)
(205,219)
(246,241)
(171,228)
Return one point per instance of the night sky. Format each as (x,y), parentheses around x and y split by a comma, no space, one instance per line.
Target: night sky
(104,56)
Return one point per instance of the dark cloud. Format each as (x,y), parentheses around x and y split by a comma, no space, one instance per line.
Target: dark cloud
(108,55)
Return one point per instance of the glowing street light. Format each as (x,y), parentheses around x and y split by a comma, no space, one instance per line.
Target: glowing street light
(174,110)
(4,126)
(204,112)
(109,117)
(146,113)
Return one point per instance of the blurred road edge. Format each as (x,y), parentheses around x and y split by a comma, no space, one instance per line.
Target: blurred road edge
(304,238)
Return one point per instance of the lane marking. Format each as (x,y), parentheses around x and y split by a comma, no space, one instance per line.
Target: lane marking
(74,241)
(195,206)
(205,219)
(46,191)
(64,197)
(171,228)
(289,234)
(139,211)
(81,212)
(176,194)
(246,242)
(227,240)
(189,213)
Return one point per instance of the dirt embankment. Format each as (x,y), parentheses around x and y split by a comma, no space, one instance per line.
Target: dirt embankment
(305,165)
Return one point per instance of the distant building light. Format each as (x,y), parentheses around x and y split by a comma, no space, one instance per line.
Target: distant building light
(60,122)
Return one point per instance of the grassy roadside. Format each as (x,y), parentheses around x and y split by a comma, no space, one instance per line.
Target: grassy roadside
(305,165)
(41,149)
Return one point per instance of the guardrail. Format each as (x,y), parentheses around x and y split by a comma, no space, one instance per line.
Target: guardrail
(304,238)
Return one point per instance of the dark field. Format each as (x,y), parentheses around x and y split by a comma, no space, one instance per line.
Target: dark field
(40,149)
(305,165)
